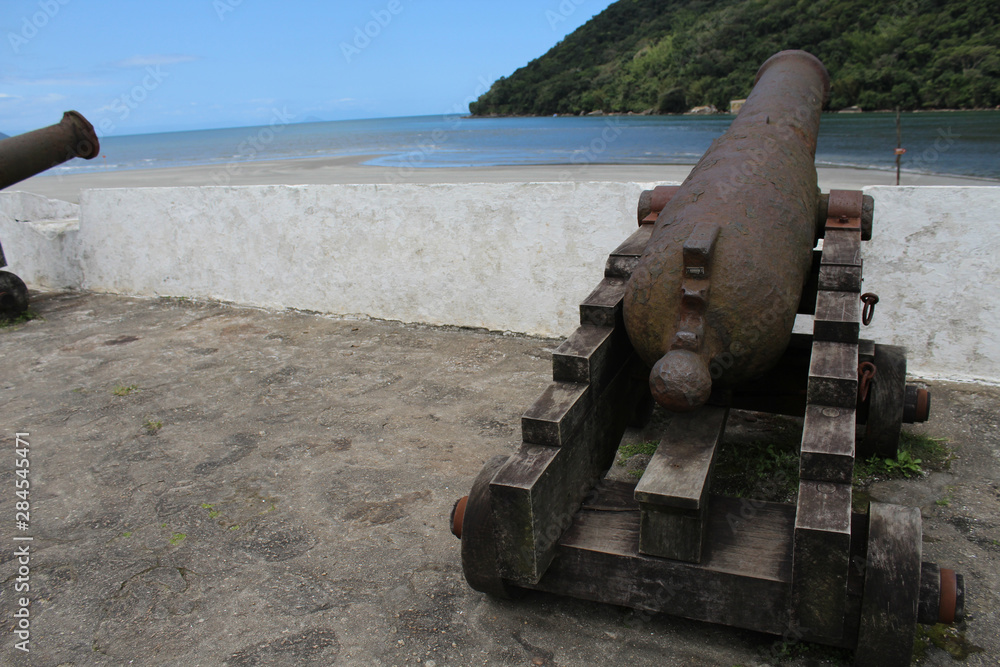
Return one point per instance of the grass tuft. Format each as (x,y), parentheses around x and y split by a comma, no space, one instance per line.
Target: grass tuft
(626,452)
(758,469)
(948,638)
(26,316)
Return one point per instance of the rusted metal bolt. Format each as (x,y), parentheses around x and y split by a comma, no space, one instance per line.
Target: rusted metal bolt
(942,595)
(916,404)
(952,597)
(458,516)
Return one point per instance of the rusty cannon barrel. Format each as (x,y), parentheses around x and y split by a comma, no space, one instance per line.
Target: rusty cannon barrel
(24,156)
(33,152)
(713,299)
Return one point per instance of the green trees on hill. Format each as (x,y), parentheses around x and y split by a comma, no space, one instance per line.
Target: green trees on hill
(670,55)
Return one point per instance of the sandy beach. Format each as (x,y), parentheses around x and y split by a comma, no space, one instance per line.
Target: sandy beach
(351,170)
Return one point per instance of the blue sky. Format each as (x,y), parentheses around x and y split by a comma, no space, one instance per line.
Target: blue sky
(161,65)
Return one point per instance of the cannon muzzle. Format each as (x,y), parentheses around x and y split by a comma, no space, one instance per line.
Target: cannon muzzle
(33,152)
(713,300)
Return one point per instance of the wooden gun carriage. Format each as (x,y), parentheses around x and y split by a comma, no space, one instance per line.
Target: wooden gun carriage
(695,313)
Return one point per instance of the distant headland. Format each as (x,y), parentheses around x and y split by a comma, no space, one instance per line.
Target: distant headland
(656,57)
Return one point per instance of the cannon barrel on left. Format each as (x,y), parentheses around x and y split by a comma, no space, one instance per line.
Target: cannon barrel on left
(33,152)
(26,155)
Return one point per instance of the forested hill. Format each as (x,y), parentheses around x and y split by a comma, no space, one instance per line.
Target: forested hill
(667,56)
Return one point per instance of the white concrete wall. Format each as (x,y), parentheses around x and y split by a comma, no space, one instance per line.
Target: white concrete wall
(510,256)
(514,256)
(934,261)
(40,238)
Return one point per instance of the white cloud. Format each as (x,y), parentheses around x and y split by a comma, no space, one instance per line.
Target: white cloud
(154,60)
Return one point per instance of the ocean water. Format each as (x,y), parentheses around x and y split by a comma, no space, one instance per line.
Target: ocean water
(965,143)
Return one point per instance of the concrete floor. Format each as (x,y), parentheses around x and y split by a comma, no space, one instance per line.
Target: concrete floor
(212,485)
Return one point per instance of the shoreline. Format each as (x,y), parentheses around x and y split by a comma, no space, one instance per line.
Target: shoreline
(598,113)
(351,170)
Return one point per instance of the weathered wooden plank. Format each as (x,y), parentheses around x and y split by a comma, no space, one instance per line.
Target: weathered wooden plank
(538,490)
(623,260)
(840,278)
(833,375)
(890,604)
(838,317)
(842,247)
(673,491)
(743,581)
(670,532)
(821,559)
(611,496)
(603,307)
(591,355)
(556,414)
(750,538)
(678,473)
(827,453)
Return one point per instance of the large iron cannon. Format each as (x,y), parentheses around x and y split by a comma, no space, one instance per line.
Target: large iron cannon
(696,310)
(714,297)
(26,155)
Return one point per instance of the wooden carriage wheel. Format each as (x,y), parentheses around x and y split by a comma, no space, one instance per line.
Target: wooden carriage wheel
(885,412)
(891,595)
(479,547)
(13,296)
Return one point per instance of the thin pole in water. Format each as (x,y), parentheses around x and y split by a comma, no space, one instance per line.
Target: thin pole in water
(899,143)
